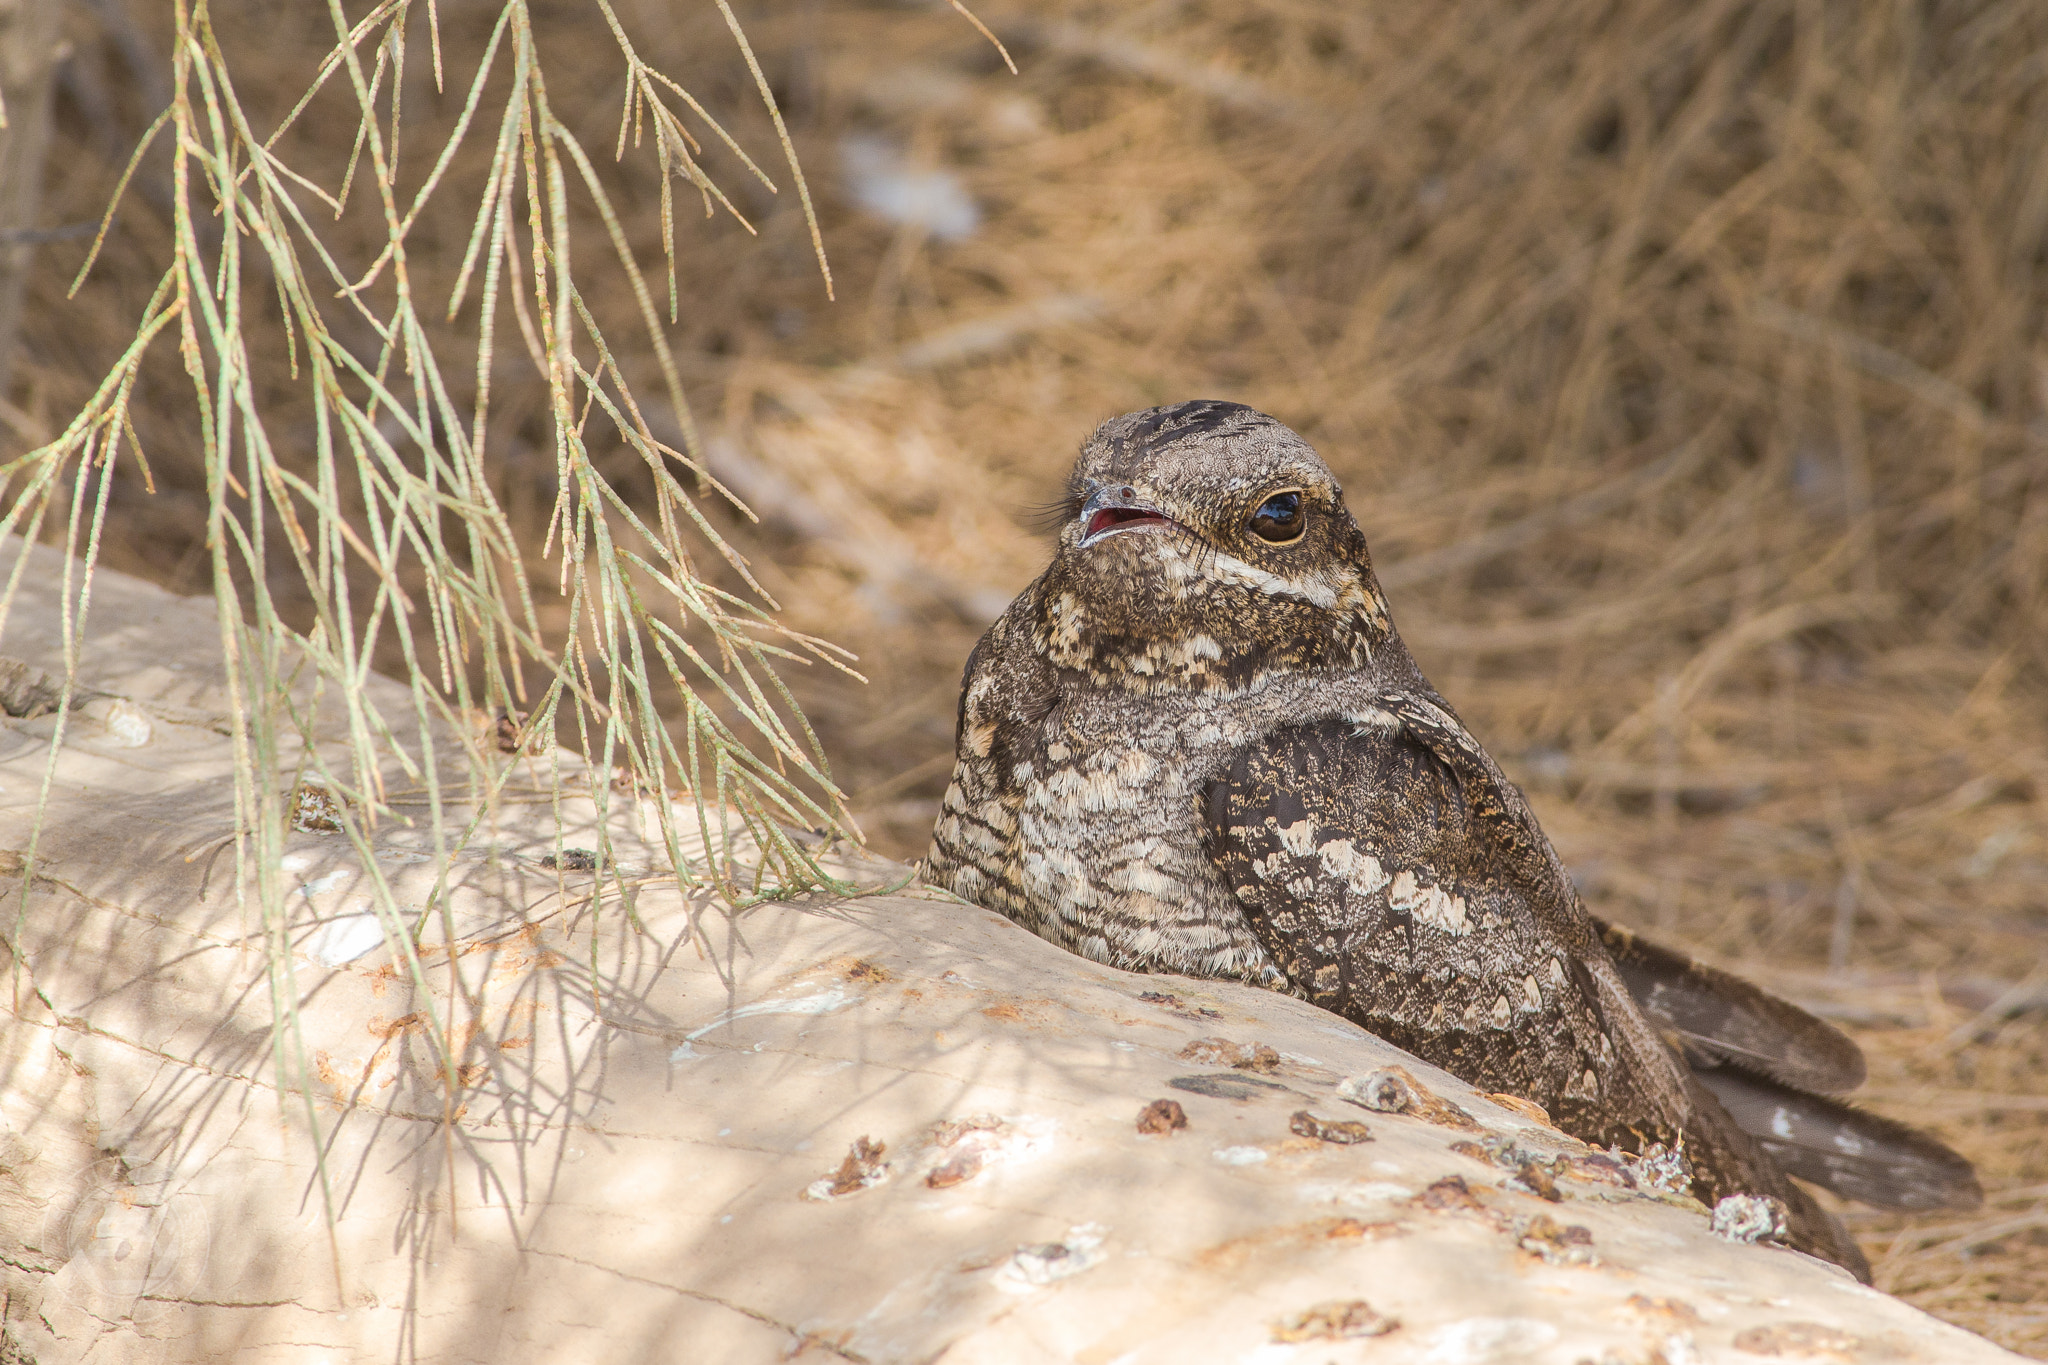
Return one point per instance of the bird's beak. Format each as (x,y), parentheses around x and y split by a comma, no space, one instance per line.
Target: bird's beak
(1115,508)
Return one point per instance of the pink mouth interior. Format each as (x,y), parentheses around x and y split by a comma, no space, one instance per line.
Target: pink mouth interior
(1117,518)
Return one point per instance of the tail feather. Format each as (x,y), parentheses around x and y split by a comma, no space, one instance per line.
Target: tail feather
(1858,1155)
(1727,1160)
(1774,1069)
(1731,1019)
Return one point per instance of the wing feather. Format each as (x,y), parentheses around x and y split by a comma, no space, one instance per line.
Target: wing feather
(1398,879)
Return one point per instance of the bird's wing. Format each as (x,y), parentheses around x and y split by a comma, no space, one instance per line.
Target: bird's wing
(1731,1020)
(1398,879)
(1856,1154)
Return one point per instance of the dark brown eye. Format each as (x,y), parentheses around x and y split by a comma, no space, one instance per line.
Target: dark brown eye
(1279,519)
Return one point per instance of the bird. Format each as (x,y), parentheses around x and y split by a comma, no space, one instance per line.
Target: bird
(1196,744)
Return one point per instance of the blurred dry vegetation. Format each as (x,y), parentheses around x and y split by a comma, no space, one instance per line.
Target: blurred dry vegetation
(1683,360)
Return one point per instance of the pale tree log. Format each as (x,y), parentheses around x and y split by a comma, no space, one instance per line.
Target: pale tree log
(880,1129)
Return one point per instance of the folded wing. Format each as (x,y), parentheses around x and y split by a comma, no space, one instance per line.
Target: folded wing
(1398,880)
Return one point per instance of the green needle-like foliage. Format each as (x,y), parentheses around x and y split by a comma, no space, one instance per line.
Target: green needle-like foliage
(391,522)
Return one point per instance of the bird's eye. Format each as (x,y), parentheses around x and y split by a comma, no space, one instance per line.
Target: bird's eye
(1279,519)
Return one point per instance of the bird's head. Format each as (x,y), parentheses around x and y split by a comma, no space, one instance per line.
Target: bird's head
(1201,546)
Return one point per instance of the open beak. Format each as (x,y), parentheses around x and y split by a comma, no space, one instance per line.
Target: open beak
(1109,510)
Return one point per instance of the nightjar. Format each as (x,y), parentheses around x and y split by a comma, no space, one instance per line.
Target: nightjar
(1197,744)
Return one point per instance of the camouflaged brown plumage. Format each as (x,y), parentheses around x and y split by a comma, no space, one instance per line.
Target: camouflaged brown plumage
(1196,744)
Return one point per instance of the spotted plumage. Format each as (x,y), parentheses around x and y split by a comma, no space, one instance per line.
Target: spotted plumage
(1197,744)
